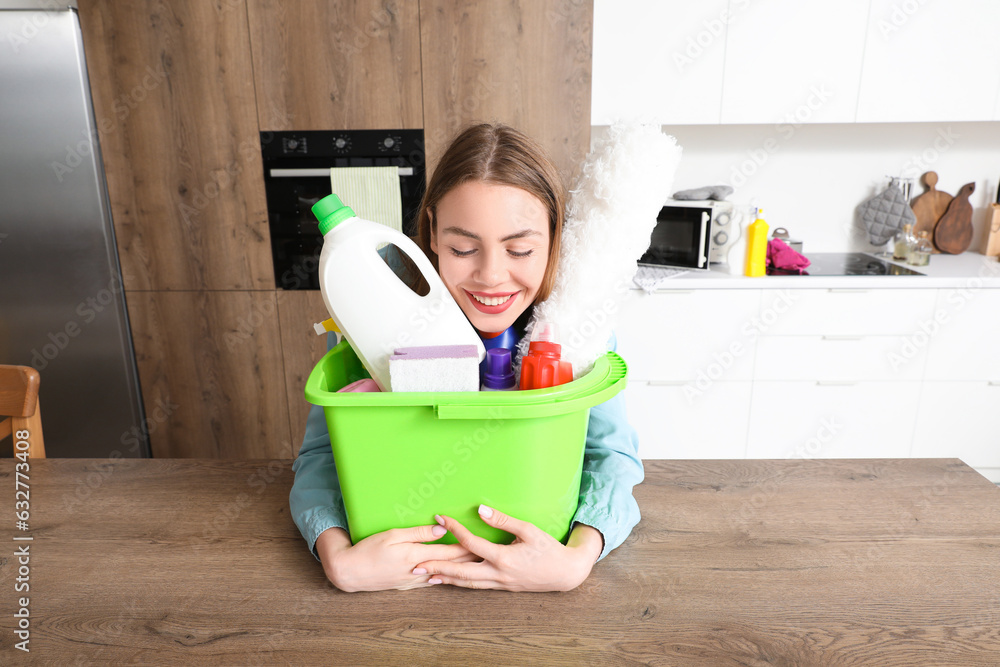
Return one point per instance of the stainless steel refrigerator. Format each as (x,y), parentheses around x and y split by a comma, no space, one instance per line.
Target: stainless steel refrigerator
(62,306)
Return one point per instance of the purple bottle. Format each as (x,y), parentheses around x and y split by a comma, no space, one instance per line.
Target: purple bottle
(498,376)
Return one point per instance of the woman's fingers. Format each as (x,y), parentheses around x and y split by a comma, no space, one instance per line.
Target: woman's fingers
(522,529)
(467,575)
(477,545)
(416,534)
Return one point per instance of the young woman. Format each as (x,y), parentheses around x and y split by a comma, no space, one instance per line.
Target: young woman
(490,223)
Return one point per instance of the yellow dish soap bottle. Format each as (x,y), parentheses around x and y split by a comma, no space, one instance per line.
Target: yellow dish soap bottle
(757,246)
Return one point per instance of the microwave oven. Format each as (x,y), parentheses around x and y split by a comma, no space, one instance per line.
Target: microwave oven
(694,234)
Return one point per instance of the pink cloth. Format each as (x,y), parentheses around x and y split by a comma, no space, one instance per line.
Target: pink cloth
(781,256)
(361,385)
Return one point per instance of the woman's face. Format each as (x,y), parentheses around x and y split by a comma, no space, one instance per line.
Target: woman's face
(492,243)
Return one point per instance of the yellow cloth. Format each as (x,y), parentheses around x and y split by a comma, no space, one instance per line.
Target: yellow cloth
(371,192)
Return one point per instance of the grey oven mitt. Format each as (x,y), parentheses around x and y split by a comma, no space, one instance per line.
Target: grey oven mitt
(885,214)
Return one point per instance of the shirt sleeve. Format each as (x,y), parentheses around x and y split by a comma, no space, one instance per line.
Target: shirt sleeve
(611,468)
(315,500)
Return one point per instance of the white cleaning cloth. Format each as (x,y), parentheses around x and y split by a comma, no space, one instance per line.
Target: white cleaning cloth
(609,220)
(371,192)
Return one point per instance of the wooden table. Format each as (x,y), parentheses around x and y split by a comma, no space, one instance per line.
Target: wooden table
(859,562)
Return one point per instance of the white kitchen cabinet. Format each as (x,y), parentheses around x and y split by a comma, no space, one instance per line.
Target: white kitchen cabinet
(659,60)
(846,312)
(959,419)
(839,358)
(832,420)
(675,422)
(790,62)
(961,338)
(689,335)
(930,61)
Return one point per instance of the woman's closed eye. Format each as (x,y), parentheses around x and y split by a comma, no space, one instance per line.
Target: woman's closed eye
(513,253)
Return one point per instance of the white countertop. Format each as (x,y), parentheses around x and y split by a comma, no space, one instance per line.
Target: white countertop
(969,270)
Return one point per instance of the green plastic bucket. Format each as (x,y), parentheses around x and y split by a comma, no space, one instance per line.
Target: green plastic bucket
(403,457)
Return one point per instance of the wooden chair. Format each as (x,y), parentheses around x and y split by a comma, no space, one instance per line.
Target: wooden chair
(19,409)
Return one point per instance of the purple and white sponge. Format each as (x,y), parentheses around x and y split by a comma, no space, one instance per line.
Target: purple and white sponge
(435,368)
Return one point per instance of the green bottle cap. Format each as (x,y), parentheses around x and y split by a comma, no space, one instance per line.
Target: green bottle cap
(330,212)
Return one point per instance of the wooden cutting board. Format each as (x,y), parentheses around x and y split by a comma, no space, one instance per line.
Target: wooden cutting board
(953,232)
(930,206)
(993,240)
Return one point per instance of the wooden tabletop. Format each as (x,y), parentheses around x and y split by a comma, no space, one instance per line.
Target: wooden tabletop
(850,562)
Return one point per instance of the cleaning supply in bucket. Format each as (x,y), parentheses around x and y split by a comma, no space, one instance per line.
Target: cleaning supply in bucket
(506,339)
(542,366)
(499,374)
(360,386)
(375,310)
(435,368)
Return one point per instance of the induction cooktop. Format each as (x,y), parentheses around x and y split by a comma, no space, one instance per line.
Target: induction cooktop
(846,264)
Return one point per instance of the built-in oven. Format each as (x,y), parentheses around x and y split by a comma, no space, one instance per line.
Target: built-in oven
(297,175)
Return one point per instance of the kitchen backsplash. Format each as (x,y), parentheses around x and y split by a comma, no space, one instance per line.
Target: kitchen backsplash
(811,178)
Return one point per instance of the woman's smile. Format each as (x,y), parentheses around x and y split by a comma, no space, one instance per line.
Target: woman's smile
(492,303)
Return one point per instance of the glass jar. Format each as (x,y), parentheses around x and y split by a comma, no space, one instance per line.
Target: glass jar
(920,252)
(903,243)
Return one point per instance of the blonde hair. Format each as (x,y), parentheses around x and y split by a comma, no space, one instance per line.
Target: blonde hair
(497,154)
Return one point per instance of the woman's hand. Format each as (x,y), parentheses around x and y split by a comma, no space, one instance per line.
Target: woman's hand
(535,561)
(384,560)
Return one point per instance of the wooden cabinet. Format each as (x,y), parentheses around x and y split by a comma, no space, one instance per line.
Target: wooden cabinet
(341,65)
(182,91)
(210,363)
(301,351)
(174,101)
(523,63)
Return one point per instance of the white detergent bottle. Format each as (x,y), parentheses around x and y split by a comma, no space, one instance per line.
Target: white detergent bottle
(375,310)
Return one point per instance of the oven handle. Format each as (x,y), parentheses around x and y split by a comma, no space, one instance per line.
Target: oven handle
(290,173)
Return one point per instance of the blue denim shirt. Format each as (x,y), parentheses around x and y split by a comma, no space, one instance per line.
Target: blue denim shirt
(611,467)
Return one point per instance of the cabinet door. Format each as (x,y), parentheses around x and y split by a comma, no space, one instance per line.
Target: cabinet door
(694,336)
(662,60)
(301,350)
(674,423)
(791,62)
(845,312)
(959,419)
(961,342)
(174,102)
(341,65)
(832,420)
(839,358)
(210,365)
(520,62)
(930,61)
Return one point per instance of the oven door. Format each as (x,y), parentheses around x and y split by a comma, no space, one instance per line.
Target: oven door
(681,238)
